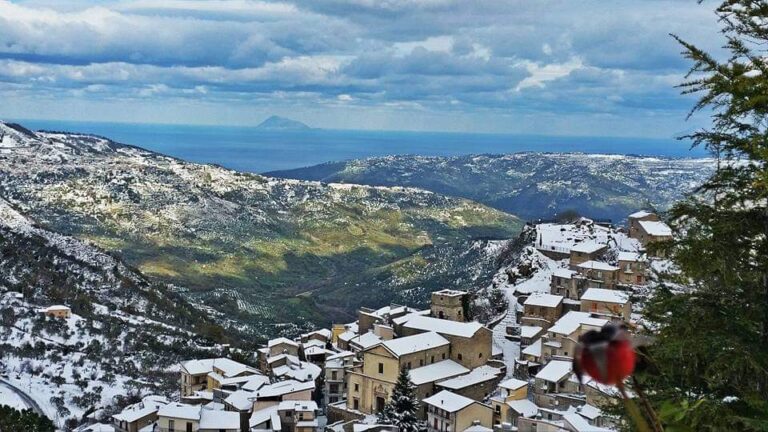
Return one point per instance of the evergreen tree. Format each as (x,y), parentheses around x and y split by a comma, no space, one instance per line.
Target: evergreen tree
(13,420)
(403,406)
(708,367)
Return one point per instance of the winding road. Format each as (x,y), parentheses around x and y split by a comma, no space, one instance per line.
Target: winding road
(23,396)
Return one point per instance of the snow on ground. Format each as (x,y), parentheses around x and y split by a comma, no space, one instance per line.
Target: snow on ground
(10,398)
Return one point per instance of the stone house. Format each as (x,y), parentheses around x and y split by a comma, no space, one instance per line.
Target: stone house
(471,343)
(509,390)
(636,218)
(426,379)
(542,310)
(135,417)
(191,418)
(335,376)
(298,416)
(553,380)
(632,268)
(369,388)
(449,412)
(57,311)
(599,274)
(478,384)
(272,394)
(207,374)
(608,303)
(586,251)
(561,339)
(450,304)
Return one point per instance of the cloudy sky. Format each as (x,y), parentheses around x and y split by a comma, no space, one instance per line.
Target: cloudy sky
(546,67)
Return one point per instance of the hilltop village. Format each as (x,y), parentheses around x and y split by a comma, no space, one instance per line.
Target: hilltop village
(514,374)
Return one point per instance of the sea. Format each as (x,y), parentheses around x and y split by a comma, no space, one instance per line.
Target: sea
(256,150)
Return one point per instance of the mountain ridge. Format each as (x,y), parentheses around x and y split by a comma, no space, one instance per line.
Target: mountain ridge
(533,185)
(276,256)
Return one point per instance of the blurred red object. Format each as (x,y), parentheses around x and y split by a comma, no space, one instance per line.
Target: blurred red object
(608,355)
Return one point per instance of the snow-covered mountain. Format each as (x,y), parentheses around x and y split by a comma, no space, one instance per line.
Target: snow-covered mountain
(531,185)
(272,255)
(124,336)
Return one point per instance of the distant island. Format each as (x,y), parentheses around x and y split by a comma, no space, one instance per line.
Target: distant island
(281,123)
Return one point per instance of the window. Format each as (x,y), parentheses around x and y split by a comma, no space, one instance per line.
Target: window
(301,416)
(334,375)
(479,355)
(171,426)
(459,356)
(408,365)
(421,362)
(357,387)
(498,409)
(381,368)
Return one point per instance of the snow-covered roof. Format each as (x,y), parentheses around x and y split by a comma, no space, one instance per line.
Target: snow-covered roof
(448,401)
(564,273)
(436,371)
(284,387)
(347,335)
(579,424)
(179,410)
(55,308)
(555,371)
(255,382)
(588,247)
(640,214)
(144,408)
(241,399)
(571,322)
(529,331)
(513,384)
(286,357)
(656,228)
(524,407)
(338,360)
(442,326)
(597,265)
(629,256)
(588,411)
(544,300)
(229,367)
(282,340)
(313,343)
(366,340)
(264,415)
(450,292)
(408,317)
(533,349)
(214,419)
(605,295)
(478,428)
(296,405)
(322,332)
(302,371)
(477,376)
(96,427)
(316,350)
(411,344)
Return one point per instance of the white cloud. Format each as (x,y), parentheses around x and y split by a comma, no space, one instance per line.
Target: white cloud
(540,74)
